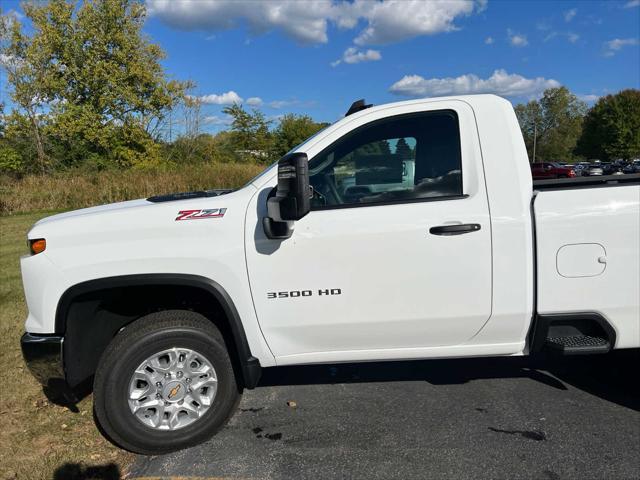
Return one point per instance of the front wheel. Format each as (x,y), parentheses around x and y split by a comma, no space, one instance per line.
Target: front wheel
(165,383)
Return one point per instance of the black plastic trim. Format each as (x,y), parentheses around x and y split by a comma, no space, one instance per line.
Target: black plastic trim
(250,365)
(587,182)
(357,106)
(172,197)
(275,230)
(544,321)
(534,254)
(43,356)
(383,204)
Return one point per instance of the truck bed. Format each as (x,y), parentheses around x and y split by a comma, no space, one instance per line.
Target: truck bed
(587,252)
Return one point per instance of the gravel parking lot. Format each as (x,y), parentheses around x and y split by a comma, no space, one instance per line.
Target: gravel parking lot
(478,418)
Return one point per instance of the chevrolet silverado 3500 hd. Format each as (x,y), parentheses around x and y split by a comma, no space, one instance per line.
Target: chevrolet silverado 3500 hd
(404,231)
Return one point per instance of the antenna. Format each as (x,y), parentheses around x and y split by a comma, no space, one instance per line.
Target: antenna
(357,106)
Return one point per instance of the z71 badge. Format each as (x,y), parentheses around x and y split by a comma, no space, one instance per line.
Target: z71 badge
(201,214)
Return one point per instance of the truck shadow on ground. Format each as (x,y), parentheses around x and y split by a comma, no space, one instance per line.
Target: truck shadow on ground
(610,377)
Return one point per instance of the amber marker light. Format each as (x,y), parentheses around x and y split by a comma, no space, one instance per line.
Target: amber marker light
(37,245)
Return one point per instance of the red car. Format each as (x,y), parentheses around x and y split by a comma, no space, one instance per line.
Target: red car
(540,171)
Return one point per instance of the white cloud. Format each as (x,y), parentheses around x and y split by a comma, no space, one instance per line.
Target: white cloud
(543,25)
(306,21)
(353,55)
(632,3)
(589,98)
(282,103)
(517,39)
(569,14)
(275,118)
(395,20)
(613,46)
(254,101)
(231,97)
(570,36)
(488,41)
(291,103)
(228,98)
(216,120)
(500,83)
(573,37)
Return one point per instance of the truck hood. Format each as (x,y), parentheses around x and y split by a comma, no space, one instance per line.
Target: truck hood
(196,234)
(123,218)
(110,207)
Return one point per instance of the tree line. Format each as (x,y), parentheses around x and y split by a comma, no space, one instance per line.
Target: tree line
(88,91)
(561,127)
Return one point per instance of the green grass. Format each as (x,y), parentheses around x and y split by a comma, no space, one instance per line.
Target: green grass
(37,437)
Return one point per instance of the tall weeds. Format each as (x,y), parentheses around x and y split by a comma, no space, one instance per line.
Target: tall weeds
(71,190)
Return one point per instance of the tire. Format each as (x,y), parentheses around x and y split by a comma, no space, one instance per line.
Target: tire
(176,332)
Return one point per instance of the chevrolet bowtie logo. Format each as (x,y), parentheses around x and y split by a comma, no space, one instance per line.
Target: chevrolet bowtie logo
(174,391)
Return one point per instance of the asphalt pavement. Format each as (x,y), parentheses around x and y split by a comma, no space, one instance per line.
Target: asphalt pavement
(499,418)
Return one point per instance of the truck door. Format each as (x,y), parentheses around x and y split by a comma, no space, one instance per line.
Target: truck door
(387,263)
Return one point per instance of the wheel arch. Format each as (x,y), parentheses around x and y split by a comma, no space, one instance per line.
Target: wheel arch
(91,313)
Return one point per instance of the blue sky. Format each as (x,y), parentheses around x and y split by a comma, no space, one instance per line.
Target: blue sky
(316,57)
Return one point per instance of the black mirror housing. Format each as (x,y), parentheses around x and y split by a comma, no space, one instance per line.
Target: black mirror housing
(292,200)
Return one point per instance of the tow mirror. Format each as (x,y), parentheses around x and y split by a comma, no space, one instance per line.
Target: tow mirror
(291,199)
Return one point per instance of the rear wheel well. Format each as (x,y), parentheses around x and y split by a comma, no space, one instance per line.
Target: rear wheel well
(91,319)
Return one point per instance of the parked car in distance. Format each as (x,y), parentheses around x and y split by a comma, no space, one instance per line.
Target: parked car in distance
(595,170)
(633,167)
(545,170)
(608,168)
(581,169)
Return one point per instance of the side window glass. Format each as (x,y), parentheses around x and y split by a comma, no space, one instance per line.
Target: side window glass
(398,159)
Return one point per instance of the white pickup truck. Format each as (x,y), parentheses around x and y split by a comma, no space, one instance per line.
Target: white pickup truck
(404,231)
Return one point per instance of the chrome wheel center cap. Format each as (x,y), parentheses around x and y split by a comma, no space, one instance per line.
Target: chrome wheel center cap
(174,391)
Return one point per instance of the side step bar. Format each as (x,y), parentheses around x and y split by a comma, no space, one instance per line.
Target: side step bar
(577,345)
(572,334)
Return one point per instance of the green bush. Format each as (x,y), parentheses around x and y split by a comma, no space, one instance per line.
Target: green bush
(10,161)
